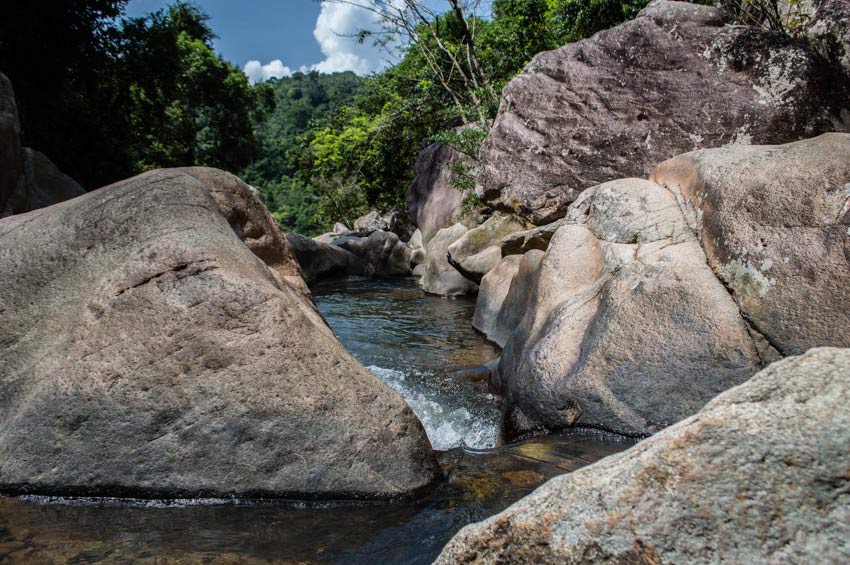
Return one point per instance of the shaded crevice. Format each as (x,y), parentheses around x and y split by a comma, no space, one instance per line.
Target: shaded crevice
(200,266)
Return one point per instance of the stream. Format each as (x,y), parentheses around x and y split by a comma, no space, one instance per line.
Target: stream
(425,348)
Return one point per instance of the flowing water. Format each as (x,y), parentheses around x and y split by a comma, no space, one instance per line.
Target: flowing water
(421,346)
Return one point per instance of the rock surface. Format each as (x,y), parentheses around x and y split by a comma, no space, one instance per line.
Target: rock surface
(430,200)
(758,476)
(438,276)
(827,27)
(517,301)
(10,142)
(774,222)
(625,326)
(491,297)
(522,242)
(28,179)
(676,78)
(324,261)
(478,250)
(370,222)
(251,222)
(152,354)
(381,251)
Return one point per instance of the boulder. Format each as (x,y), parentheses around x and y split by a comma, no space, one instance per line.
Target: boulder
(516,302)
(322,261)
(28,179)
(146,351)
(522,242)
(251,222)
(370,222)
(774,222)
(40,184)
(826,25)
(675,79)
(758,476)
(10,142)
(491,295)
(478,250)
(625,328)
(430,200)
(381,251)
(400,223)
(340,228)
(439,277)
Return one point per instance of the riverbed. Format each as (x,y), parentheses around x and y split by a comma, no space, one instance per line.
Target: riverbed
(422,346)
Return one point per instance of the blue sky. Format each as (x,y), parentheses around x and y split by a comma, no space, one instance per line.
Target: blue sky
(269,38)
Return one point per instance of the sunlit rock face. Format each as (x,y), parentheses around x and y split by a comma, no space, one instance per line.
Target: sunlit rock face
(431,200)
(732,484)
(624,325)
(675,79)
(148,350)
(774,222)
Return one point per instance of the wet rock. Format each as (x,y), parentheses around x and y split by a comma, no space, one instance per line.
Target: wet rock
(152,354)
(774,221)
(732,484)
(624,325)
(439,276)
(382,251)
(522,242)
(478,250)
(324,261)
(491,296)
(430,200)
(676,78)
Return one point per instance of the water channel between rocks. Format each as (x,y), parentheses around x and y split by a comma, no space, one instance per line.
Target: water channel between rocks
(419,345)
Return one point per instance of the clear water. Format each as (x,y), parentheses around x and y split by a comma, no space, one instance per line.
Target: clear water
(418,345)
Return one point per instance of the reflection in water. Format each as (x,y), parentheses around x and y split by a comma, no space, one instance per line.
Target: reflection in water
(414,343)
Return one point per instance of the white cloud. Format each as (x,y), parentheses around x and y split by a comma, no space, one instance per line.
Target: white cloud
(257,72)
(336,30)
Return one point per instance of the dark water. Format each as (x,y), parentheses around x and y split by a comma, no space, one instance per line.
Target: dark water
(415,343)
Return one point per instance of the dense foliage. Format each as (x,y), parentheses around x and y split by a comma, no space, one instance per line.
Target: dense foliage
(360,155)
(106,98)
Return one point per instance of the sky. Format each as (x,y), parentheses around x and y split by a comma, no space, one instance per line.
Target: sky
(273,38)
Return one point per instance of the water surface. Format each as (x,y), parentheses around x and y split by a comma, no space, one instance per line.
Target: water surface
(417,344)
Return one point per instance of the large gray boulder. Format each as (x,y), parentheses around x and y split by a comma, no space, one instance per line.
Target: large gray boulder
(384,253)
(146,351)
(479,249)
(625,326)
(522,242)
(825,24)
(774,222)
(675,79)
(760,475)
(438,276)
(517,301)
(251,222)
(431,201)
(322,261)
(10,142)
(40,184)
(28,179)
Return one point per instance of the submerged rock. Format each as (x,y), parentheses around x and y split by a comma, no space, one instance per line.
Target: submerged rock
(146,351)
(431,201)
(759,475)
(676,78)
(438,276)
(774,222)
(623,325)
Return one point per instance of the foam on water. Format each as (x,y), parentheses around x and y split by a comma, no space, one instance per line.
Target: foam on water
(447,423)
